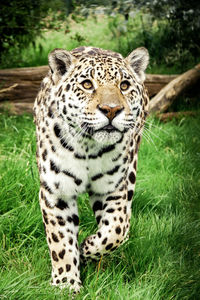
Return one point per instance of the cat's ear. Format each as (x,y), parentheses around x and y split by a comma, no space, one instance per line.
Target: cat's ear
(138,60)
(60,61)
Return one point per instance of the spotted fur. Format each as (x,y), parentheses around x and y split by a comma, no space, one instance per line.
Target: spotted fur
(89,117)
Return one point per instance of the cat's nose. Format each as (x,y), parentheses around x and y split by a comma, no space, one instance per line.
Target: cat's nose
(110,112)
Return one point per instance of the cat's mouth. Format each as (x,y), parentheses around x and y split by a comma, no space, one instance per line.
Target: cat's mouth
(109,128)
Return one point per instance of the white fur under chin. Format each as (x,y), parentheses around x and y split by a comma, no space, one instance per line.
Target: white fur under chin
(105,137)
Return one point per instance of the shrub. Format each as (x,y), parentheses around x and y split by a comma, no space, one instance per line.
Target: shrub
(22,20)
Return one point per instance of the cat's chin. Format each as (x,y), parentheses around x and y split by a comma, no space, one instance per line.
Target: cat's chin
(106,137)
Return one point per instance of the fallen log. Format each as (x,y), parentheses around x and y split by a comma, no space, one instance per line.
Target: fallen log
(173,89)
(22,84)
(154,82)
(17,108)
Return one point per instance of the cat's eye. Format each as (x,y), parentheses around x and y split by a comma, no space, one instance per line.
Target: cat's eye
(124,85)
(87,84)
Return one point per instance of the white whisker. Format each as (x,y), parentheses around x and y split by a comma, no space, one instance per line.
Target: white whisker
(151,132)
(150,124)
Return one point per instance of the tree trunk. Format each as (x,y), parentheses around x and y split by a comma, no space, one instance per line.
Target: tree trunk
(173,89)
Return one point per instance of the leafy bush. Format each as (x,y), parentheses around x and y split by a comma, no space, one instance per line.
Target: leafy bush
(158,36)
(168,28)
(21,21)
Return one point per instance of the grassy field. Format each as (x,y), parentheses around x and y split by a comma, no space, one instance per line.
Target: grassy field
(162,257)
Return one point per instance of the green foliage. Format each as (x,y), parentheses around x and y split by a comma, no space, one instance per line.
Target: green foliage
(160,260)
(176,39)
(183,21)
(170,33)
(158,38)
(89,32)
(21,21)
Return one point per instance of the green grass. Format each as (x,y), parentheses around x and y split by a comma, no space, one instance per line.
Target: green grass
(162,257)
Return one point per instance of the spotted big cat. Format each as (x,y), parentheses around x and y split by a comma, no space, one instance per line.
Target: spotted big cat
(89,116)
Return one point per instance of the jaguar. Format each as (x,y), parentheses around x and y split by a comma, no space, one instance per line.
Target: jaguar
(89,114)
